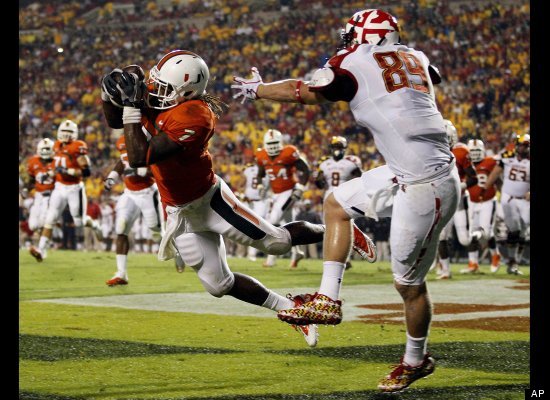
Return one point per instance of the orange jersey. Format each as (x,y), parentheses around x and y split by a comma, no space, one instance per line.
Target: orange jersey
(463,161)
(483,169)
(186,175)
(38,169)
(280,170)
(66,155)
(131,179)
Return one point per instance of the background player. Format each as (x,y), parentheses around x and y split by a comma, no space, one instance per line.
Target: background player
(39,168)
(482,206)
(515,169)
(468,178)
(71,165)
(288,173)
(140,197)
(337,169)
(255,196)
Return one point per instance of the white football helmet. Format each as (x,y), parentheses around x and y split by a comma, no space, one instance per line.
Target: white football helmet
(67,131)
(179,76)
(452,135)
(370,26)
(477,150)
(273,142)
(45,149)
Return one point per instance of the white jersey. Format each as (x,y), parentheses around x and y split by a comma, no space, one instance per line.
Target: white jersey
(395,100)
(338,172)
(517,176)
(251,186)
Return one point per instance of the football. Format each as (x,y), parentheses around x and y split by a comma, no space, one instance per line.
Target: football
(132,68)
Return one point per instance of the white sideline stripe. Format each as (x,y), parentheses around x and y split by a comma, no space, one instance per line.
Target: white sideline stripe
(491,292)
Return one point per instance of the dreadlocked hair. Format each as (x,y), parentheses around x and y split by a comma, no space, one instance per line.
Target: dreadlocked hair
(215,103)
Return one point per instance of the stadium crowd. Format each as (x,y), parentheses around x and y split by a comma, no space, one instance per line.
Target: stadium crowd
(67,46)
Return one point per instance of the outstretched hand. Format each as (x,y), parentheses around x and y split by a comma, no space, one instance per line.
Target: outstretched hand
(247,88)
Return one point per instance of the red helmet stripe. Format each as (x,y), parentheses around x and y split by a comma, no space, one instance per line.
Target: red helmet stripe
(173,54)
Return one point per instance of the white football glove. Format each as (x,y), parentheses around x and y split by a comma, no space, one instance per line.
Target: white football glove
(108,184)
(247,88)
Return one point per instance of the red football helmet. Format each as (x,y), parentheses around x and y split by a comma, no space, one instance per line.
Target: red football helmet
(370,26)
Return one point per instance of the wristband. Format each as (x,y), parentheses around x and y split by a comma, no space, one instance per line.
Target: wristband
(131,115)
(297,93)
(71,171)
(142,171)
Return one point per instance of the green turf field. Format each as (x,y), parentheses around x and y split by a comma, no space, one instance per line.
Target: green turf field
(162,337)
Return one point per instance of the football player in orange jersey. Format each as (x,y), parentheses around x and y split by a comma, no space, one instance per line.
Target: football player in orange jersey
(178,118)
(483,204)
(468,178)
(140,197)
(281,164)
(71,164)
(38,168)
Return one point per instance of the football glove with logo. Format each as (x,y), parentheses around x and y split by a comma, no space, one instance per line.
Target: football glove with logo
(247,88)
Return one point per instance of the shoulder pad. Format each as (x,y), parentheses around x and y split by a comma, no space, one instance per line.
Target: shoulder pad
(321,78)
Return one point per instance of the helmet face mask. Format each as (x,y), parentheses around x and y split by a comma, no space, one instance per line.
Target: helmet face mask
(370,26)
(45,149)
(179,76)
(67,131)
(273,142)
(477,150)
(338,146)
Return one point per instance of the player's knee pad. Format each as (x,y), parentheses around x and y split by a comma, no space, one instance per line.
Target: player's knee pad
(278,242)
(216,287)
(463,237)
(122,227)
(33,224)
(513,237)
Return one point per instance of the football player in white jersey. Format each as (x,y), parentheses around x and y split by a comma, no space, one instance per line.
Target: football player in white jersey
(255,197)
(389,87)
(337,169)
(515,167)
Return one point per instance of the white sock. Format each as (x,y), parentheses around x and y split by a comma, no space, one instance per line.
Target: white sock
(271,259)
(277,302)
(415,350)
(252,251)
(121,270)
(331,282)
(445,265)
(473,256)
(43,244)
